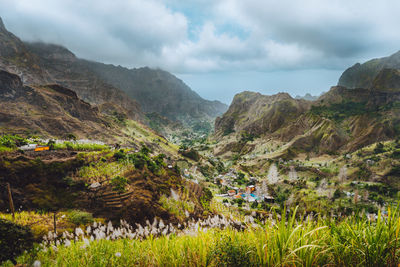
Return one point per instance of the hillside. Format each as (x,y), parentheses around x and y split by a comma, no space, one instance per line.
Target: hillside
(51,64)
(363,75)
(26,108)
(340,120)
(138,91)
(159,91)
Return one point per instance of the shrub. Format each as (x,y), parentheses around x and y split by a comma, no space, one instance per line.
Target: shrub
(395,154)
(254,205)
(206,198)
(139,160)
(337,194)
(12,141)
(247,137)
(120,155)
(379,148)
(71,136)
(395,170)
(119,183)
(14,240)
(145,150)
(79,217)
(228,252)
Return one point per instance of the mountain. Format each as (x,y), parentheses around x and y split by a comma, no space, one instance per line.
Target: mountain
(135,90)
(159,91)
(307,96)
(56,112)
(259,114)
(25,108)
(341,120)
(38,63)
(363,75)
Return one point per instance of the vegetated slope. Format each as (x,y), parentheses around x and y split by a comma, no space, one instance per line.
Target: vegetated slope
(135,186)
(52,111)
(38,63)
(159,91)
(363,75)
(97,83)
(340,120)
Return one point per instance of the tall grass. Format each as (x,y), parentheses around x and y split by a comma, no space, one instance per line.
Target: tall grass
(353,241)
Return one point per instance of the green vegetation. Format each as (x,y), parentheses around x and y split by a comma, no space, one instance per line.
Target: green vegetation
(352,241)
(79,217)
(11,142)
(247,137)
(119,183)
(79,147)
(176,206)
(340,111)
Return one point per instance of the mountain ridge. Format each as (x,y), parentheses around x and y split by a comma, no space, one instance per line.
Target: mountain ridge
(138,91)
(362,75)
(341,120)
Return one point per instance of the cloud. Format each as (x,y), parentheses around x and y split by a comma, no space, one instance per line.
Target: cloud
(336,29)
(212,36)
(124,32)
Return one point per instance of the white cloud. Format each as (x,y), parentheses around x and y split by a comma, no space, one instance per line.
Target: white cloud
(124,32)
(230,35)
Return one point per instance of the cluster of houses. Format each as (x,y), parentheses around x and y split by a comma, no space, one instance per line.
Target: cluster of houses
(251,193)
(34,147)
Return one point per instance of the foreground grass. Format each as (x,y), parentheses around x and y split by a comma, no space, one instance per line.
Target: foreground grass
(351,242)
(42,223)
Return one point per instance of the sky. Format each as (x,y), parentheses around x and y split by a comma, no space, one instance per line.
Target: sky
(218,47)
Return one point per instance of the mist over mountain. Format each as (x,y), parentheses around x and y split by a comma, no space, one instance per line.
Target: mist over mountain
(138,91)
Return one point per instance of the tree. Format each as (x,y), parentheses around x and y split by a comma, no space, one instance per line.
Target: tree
(71,137)
(145,150)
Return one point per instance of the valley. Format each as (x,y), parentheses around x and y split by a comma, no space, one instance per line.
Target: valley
(102,165)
